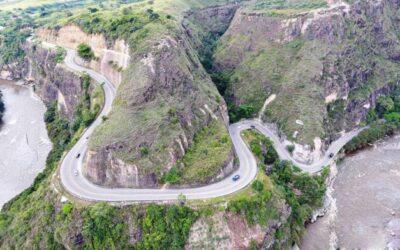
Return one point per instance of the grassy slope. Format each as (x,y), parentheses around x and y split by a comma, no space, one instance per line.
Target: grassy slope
(288,71)
(292,70)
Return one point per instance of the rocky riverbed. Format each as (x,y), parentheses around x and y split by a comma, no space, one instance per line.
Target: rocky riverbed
(24,143)
(364,210)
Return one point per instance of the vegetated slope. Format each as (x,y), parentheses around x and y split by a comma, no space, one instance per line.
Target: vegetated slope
(41,218)
(164,99)
(326,66)
(270,214)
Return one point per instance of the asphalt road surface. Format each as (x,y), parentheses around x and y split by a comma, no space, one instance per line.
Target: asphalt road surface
(79,186)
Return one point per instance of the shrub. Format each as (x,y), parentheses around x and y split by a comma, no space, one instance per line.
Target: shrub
(258,186)
(144,151)
(172,176)
(60,55)
(290,148)
(85,51)
(384,105)
(67,208)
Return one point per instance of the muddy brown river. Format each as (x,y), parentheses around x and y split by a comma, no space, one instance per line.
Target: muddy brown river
(364,209)
(24,143)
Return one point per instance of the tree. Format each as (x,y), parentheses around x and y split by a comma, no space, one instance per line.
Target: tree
(85,52)
(384,105)
(290,148)
(396,100)
(393,117)
(371,116)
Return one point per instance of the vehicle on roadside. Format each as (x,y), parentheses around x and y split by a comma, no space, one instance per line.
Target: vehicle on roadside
(78,156)
(236,177)
(331,155)
(76,172)
(252,126)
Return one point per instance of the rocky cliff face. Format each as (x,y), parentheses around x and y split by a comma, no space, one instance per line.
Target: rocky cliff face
(226,230)
(111,59)
(53,82)
(326,66)
(164,99)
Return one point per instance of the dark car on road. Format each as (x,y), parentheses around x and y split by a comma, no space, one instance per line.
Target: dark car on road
(78,155)
(331,155)
(236,177)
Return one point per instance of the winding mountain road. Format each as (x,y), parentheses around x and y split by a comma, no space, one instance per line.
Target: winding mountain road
(80,187)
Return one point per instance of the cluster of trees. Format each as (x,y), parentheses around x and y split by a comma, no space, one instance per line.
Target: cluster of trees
(12,37)
(238,112)
(263,148)
(161,227)
(302,192)
(254,208)
(369,136)
(383,120)
(84,115)
(120,25)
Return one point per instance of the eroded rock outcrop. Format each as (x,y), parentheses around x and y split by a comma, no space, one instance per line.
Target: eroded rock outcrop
(111,60)
(167,82)
(227,230)
(53,81)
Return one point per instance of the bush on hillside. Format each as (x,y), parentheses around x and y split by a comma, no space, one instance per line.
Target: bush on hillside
(85,51)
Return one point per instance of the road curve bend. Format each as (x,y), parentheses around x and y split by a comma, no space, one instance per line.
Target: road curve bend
(80,187)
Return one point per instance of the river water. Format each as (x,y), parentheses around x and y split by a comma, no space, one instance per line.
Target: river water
(24,143)
(364,210)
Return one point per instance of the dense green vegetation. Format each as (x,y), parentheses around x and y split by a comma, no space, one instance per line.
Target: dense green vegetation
(383,121)
(16,31)
(161,227)
(86,111)
(203,160)
(302,192)
(261,146)
(127,24)
(60,55)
